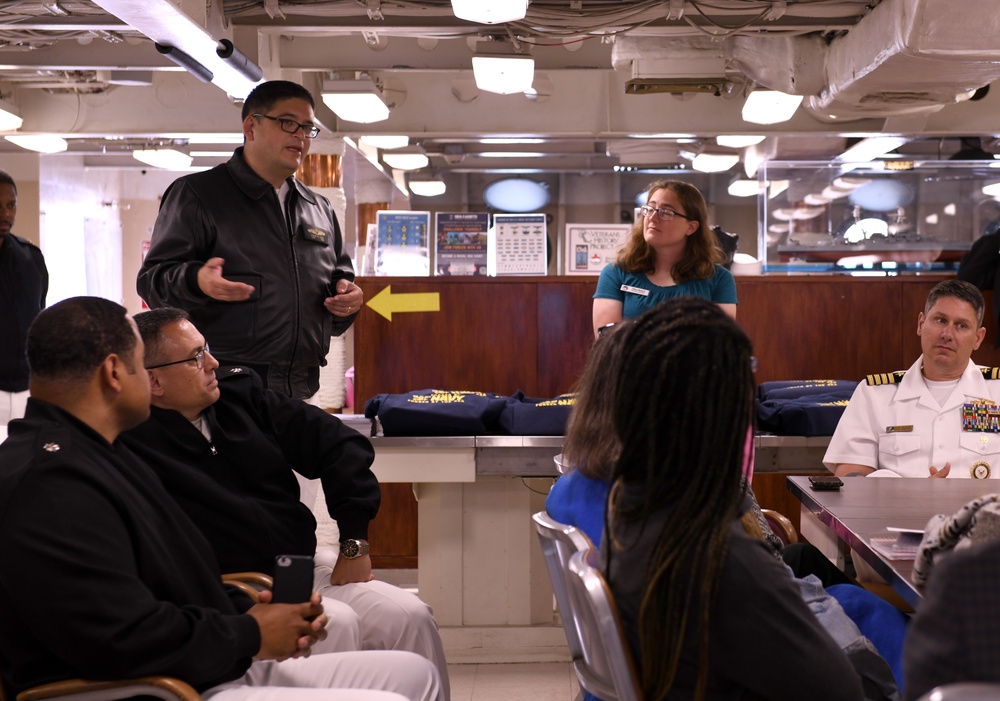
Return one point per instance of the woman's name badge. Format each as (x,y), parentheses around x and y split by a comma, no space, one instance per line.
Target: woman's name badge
(635,290)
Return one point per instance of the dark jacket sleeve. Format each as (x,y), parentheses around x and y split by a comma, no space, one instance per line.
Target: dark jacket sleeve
(319,446)
(183,239)
(79,574)
(344,271)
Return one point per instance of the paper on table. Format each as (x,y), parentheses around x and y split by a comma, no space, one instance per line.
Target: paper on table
(899,544)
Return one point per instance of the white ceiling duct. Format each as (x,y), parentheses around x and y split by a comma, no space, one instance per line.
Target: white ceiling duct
(906,57)
(909,57)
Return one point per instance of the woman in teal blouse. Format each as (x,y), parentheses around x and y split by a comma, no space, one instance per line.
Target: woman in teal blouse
(671,253)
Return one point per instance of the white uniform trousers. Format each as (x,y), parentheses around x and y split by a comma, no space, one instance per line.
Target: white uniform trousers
(12,405)
(345,676)
(383,616)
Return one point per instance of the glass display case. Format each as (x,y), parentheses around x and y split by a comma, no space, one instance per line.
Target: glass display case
(879,217)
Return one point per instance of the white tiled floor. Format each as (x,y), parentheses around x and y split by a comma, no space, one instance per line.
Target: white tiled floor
(540,681)
(535,681)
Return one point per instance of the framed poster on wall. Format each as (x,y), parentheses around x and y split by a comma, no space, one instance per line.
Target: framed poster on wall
(518,245)
(589,247)
(461,243)
(401,248)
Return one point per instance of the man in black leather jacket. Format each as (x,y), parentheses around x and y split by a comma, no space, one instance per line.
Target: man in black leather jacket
(288,283)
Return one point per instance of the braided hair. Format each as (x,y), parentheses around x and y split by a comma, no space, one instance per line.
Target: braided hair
(683,406)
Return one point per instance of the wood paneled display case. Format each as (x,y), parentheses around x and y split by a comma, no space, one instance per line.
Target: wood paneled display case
(877,216)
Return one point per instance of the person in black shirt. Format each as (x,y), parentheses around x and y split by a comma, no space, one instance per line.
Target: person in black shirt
(24,282)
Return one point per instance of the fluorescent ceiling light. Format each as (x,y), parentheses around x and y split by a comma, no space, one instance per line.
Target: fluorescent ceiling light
(504,75)
(490,11)
(427,188)
(42,143)
(511,140)
(211,154)
(510,154)
(405,161)
(746,188)
(167,158)
(871,148)
(355,100)
(992,190)
(770,107)
(714,162)
(386,141)
(228,138)
(679,138)
(738,141)
(9,119)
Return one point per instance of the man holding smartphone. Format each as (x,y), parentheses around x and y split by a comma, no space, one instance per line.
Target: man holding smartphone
(939,418)
(145,596)
(227,450)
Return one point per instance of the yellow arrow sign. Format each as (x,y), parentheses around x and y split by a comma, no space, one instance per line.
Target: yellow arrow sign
(385,302)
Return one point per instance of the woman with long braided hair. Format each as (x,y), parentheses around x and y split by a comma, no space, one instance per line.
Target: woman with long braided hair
(708,611)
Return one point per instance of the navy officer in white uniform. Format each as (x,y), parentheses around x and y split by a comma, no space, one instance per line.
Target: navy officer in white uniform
(939,418)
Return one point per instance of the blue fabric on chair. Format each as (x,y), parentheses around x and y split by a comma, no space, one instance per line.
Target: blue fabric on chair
(579,501)
(878,620)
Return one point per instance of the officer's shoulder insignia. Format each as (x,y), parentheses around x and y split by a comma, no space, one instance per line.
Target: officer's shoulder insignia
(990,373)
(235,370)
(51,447)
(885,378)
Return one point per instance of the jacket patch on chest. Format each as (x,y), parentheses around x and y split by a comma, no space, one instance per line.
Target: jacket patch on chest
(318,235)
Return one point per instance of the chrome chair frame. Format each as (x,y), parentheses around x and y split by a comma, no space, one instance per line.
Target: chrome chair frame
(558,542)
(607,669)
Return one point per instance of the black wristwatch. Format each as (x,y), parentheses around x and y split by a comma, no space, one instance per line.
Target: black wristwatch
(352,549)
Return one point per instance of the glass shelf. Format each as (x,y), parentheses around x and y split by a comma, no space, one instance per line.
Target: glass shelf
(880,217)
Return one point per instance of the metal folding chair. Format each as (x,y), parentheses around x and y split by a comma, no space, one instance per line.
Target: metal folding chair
(607,669)
(558,542)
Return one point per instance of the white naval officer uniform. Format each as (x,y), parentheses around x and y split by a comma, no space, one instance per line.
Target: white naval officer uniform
(898,428)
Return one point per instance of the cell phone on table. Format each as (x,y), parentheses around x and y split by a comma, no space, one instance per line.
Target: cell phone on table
(293,579)
(826,483)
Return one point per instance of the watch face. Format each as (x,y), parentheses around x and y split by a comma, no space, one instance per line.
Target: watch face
(350,549)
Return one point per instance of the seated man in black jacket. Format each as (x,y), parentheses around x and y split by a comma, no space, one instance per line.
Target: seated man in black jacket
(106,578)
(225,448)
